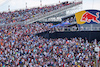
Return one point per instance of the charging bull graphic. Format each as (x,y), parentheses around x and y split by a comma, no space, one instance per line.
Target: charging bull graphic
(87,17)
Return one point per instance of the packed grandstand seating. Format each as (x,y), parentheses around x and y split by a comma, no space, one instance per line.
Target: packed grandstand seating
(22,15)
(21,47)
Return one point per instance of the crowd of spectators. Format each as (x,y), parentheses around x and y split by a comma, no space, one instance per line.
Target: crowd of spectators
(20,47)
(70,19)
(22,15)
(65,27)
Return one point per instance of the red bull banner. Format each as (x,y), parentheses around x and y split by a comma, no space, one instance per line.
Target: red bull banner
(88,17)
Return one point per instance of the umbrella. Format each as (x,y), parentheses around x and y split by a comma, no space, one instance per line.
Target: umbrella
(56,25)
(53,26)
(66,23)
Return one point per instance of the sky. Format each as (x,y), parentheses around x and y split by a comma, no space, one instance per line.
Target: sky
(21,4)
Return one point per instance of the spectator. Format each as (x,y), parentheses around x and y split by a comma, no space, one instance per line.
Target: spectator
(19,47)
(23,15)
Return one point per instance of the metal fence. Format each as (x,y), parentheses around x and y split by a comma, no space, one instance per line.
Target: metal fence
(62,29)
(90,29)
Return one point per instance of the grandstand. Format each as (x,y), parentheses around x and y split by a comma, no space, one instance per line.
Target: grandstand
(39,17)
(48,36)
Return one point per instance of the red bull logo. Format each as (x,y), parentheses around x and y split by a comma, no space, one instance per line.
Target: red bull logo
(87,17)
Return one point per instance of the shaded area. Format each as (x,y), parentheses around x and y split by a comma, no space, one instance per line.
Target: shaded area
(90,35)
